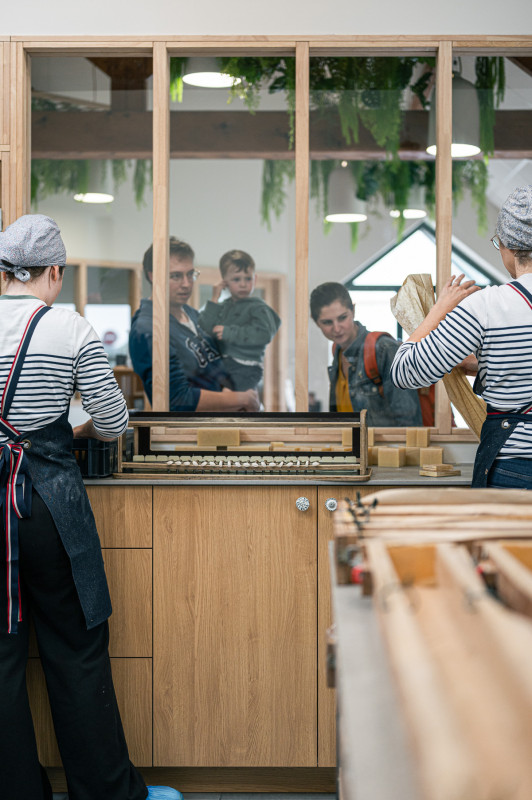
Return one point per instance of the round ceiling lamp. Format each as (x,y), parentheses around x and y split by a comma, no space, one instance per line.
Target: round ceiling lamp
(415,207)
(98,185)
(204,72)
(466,120)
(344,206)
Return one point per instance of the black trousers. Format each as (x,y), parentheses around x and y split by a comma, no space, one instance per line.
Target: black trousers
(78,678)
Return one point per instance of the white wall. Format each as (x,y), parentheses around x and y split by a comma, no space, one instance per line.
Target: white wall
(212,17)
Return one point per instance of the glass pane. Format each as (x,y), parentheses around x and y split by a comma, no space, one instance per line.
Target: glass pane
(91,172)
(371,223)
(500,92)
(231,196)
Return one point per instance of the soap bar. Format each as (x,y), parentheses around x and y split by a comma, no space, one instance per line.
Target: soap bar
(371,437)
(218,437)
(373,456)
(412,456)
(431,455)
(411,437)
(422,437)
(439,470)
(392,456)
(347,437)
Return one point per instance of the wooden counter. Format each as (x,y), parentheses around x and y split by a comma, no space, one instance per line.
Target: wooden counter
(221,597)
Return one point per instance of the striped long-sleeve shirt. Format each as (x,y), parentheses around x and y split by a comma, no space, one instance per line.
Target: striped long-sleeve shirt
(496,325)
(65,355)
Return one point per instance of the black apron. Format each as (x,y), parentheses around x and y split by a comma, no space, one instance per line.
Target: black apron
(44,459)
(498,425)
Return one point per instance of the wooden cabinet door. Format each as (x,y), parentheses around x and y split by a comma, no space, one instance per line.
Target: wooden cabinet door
(234,627)
(326,696)
(123,514)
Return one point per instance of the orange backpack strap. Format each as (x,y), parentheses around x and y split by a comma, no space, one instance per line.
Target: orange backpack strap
(370,358)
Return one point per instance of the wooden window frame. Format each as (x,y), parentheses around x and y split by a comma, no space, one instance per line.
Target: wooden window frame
(15,153)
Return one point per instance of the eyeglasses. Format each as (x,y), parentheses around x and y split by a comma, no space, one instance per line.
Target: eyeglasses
(179,277)
(495,242)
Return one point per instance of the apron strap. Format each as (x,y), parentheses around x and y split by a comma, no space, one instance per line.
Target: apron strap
(15,478)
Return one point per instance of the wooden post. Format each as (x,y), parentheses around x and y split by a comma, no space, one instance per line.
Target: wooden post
(444,199)
(302,224)
(161,174)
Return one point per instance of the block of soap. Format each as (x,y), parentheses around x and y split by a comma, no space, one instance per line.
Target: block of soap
(138,458)
(411,437)
(412,456)
(150,458)
(277,445)
(371,437)
(218,437)
(430,455)
(373,456)
(347,437)
(423,437)
(439,470)
(391,456)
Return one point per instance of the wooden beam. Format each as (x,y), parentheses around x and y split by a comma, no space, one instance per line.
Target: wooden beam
(223,134)
(302,225)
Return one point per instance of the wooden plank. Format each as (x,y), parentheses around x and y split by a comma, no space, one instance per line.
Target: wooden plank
(302,226)
(514,578)
(234,627)
(230,134)
(226,779)
(80,287)
(161,176)
(129,573)
(123,515)
(444,201)
(443,755)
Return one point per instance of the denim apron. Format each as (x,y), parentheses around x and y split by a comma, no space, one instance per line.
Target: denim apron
(498,425)
(43,459)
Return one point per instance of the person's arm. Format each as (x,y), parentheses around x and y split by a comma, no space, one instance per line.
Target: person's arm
(453,292)
(259,331)
(210,315)
(430,354)
(101,397)
(226,400)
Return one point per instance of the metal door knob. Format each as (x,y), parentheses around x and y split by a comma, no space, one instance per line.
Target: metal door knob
(302,503)
(331,504)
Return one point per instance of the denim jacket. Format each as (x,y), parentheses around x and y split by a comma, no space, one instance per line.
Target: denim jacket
(397,407)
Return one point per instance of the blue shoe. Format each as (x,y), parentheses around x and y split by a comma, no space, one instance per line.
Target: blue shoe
(163,793)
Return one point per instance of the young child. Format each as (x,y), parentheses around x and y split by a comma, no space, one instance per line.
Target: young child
(243,324)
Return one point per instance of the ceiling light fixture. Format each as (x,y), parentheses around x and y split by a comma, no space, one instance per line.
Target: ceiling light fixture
(98,185)
(205,72)
(466,120)
(415,207)
(344,206)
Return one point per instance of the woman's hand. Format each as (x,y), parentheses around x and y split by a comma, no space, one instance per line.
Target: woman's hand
(453,292)
(250,400)
(218,331)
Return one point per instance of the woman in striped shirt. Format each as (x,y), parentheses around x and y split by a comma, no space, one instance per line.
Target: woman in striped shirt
(495,325)
(52,563)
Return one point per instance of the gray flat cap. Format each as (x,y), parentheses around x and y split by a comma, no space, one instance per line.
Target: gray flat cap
(31,241)
(514,223)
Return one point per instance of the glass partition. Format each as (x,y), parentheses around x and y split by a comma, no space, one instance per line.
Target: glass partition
(91,132)
(232,203)
(371,224)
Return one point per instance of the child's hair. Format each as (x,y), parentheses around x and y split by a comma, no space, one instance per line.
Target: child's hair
(327,293)
(238,259)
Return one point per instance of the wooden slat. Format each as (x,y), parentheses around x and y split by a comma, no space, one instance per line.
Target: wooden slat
(444,201)
(302,225)
(229,134)
(514,576)
(123,515)
(161,176)
(129,573)
(80,287)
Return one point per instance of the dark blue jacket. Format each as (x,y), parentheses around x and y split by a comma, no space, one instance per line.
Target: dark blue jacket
(195,362)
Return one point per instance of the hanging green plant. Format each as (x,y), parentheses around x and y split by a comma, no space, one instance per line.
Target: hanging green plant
(491,85)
